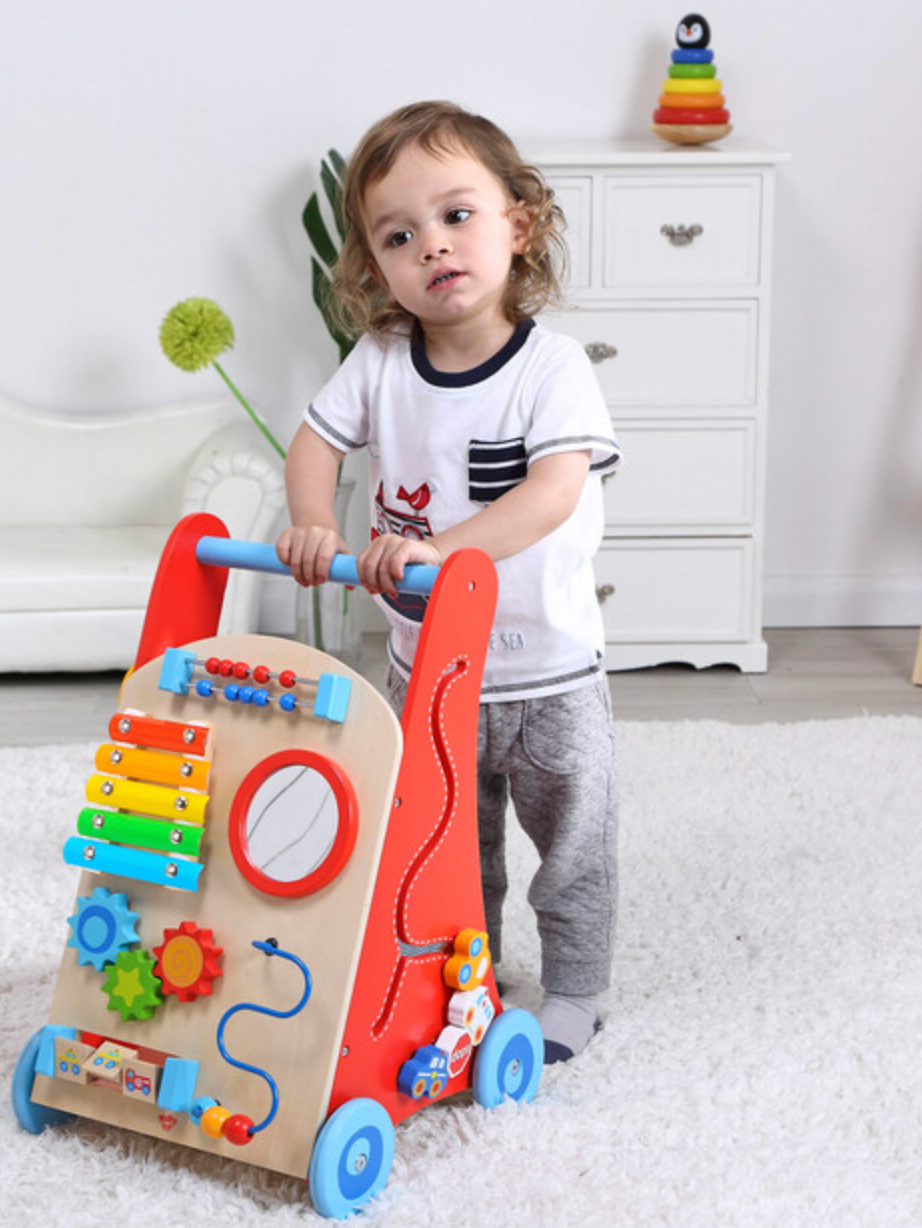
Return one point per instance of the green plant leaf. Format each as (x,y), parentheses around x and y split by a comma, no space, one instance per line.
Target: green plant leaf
(333,188)
(317,231)
(322,291)
(338,163)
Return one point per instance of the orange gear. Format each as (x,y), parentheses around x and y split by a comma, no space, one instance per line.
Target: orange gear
(187,961)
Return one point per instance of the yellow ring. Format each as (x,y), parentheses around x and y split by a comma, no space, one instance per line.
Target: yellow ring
(688,85)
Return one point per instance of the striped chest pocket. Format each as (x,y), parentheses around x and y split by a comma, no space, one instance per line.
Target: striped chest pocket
(493,467)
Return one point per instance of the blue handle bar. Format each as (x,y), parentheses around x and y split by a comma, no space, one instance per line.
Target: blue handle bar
(260,556)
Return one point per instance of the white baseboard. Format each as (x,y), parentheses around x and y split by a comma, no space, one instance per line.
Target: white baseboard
(843,601)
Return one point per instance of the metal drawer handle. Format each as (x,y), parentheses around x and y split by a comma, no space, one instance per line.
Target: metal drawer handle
(603,592)
(598,351)
(682,236)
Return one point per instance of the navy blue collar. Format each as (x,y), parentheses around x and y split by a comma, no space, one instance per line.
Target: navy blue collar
(463,379)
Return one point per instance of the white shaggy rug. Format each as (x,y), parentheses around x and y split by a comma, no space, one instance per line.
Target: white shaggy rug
(761,1063)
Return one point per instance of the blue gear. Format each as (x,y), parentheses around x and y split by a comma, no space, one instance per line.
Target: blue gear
(103,925)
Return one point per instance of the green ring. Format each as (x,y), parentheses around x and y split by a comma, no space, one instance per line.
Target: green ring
(693,70)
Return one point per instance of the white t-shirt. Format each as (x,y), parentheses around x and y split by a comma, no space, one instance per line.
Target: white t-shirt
(442,446)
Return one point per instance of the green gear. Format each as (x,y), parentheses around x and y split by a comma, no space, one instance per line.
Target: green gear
(131,986)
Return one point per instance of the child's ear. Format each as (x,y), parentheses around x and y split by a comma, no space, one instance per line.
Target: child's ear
(375,273)
(522,218)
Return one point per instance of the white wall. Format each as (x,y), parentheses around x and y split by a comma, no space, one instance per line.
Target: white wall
(152,151)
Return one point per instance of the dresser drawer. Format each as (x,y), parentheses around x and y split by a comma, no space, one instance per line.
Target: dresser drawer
(670,355)
(683,476)
(574,195)
(676,589)
(687,232)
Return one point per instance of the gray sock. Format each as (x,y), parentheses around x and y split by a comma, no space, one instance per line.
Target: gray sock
(568,1024)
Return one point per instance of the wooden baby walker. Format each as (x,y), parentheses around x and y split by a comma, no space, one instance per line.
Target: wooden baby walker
(277,951)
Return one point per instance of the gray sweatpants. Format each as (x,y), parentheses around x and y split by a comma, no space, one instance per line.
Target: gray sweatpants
(555,758)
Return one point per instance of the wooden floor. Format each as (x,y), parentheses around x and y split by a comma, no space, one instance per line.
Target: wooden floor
(813,674)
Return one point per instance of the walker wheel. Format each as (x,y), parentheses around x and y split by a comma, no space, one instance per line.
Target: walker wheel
(31,1116)
(510,1060)
(352,1158)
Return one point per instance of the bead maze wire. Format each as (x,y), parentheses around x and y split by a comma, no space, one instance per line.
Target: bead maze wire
(269,947)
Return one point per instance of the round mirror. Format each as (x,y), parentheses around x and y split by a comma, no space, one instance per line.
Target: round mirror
(293,823)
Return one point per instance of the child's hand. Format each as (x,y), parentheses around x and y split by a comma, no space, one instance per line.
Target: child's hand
(309,552)
(380,565)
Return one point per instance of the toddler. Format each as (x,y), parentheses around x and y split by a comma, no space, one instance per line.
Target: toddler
(483,429)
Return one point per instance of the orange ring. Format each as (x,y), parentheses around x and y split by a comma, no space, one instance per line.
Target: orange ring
(700,101)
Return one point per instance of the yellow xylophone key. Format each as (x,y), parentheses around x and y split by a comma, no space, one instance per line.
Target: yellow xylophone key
(155,800)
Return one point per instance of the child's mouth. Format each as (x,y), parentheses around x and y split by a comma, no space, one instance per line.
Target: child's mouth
(444,279)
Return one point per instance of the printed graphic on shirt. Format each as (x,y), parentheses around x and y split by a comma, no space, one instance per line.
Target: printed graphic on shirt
(405,524)
(507,641)
(494,467)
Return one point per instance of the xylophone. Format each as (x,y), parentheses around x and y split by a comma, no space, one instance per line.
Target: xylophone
(277,950)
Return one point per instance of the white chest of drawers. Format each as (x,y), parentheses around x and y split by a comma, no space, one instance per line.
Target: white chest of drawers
(670,285)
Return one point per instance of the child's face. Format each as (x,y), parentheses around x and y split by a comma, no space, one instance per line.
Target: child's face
(442,232)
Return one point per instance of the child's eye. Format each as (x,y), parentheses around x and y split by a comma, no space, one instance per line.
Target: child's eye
(454,216)
(399,238)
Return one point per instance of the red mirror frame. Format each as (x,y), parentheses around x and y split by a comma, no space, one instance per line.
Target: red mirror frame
(346,831)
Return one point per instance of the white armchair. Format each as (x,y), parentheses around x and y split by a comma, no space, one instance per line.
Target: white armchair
(86,504)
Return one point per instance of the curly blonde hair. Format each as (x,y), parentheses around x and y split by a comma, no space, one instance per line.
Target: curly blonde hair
(361,301)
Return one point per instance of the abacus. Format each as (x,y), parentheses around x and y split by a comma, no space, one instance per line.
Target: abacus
(331,691)
(336,839)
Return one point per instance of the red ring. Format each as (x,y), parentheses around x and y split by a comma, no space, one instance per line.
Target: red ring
(688,115)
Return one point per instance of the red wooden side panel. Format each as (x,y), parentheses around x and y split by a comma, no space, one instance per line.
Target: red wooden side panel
(428,885)
(186,596)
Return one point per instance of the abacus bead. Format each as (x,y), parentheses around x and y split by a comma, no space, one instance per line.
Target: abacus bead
(232,692)
(261,699)
(288,677)
(241,669)
(226,668)
(212,665)
(246,694)
(237,1129)
(262,674)
(204,688)
(287,703)
(213,1120)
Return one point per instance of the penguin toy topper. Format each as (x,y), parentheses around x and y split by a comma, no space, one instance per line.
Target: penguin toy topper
(693,32)
(692,108)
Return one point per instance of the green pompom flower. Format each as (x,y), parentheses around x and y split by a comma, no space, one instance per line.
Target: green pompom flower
(194,333)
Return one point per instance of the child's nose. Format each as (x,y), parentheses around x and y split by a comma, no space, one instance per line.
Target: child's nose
(436,244)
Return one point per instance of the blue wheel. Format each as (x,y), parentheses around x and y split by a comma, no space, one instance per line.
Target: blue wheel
(32,1117)
(510,1059)
(352,1158)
